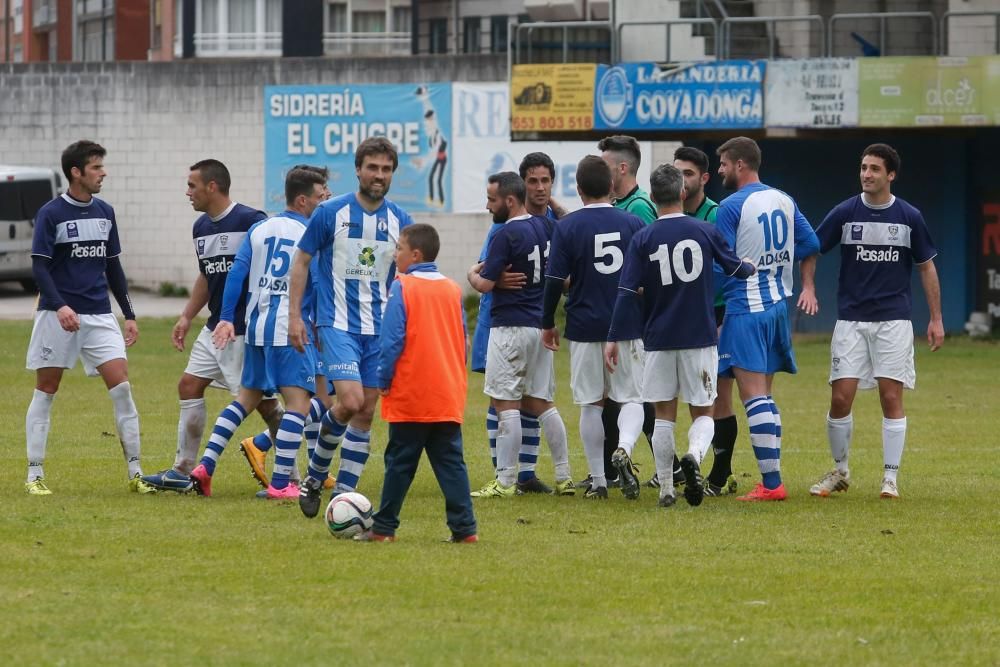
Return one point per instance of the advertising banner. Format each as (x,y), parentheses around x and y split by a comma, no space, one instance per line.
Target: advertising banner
(482,146)
(928,91)
(818,92)
(988,269)
(552,98)
(323,125)
(689,96)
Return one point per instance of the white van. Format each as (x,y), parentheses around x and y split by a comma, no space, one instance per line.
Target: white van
(23,190)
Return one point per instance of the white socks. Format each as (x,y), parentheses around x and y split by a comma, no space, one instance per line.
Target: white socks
(127,421)
(663,455)
(592,434)
(508,444)
(190,429)
(838,432)
(555,436)
(700,437)
(36,428)
(893,439)
(629,425)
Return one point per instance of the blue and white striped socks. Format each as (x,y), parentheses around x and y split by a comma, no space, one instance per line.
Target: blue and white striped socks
(353,457)
(492,424)
(228,421)
(287,443)
(531,440)
(765,438)
(313,421)
(331,433)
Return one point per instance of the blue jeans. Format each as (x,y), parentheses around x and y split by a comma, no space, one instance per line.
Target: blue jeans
(443,442)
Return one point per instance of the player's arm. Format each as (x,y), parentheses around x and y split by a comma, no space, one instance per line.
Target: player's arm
(118,285)
(392,339)
(627,307)
(557,208)
(43,244)
(727,261)
(831,230)
(225,332)
(484,275)
(318,234)
(806,241)
(932,290)
(556,277)
(196,301)
(807,248)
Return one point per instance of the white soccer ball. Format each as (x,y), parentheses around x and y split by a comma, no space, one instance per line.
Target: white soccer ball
(349,514)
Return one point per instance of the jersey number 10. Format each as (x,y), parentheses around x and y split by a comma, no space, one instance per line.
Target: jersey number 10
(775,228)
(674,262)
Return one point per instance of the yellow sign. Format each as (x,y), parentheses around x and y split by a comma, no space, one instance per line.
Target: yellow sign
(552,98)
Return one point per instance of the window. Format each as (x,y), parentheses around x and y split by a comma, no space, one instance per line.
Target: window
(242,16)
(18,17)
(471,34)
(272,16)
(208,17)
(498,34)
(438,41)
(53,51)
(336,17)
(156,24)
(402,19)
(368,22)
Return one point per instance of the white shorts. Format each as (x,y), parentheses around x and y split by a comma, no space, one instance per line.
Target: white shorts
(870,350)
(518,365)
(98,341)
(223,367)
(686,373)
(590,380)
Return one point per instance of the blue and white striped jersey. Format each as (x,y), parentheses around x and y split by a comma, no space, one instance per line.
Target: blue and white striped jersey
(764,224)
(265,261)
(355,267)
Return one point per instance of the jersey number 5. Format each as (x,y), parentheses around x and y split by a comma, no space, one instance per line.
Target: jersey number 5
(603,251)
(674,262)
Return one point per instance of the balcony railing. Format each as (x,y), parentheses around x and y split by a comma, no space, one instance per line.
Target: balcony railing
(366,43)
(222,44)
(43,14)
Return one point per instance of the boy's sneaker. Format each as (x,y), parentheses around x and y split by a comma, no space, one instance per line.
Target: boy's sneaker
(290,492)
(564,488)
(889,489)
(762,493)
(835,480)
(627,473)
(310,496)
(371,536)
(495,490)
(600,493)
(202,480)
(468,539)
(256,459)
(36,487)
(169,480)
(713,491)
(666,501)
(137,485)
(694,490)
(533,485)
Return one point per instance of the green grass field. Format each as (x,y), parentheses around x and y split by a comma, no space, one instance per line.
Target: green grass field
(95,575)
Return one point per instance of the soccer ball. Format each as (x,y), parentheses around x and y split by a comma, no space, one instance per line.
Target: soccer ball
(348,514)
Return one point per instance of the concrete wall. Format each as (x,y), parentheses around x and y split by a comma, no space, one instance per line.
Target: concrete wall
(156,119)
(973,35)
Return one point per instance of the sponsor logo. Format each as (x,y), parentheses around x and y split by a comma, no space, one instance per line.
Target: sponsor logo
(201,247)
(856,232)
(367,257)
(88,251)
(773,258)
(614,96)
(347,224)
(72,231)
(210,267)
(350,367)
(884,255)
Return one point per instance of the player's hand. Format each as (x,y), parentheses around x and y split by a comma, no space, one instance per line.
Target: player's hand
(224,334)
(297,333)
(131,333)
(511,281)
(753,265)
(180,332)
(610,356)
(68,319)
(550,339)
(935,335)
(808,303)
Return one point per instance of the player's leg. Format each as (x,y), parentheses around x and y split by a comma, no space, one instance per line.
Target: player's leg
(697,370)
(402,456)
(890,394)
(587,385)
(539,392)
(753,388)
(609,419)
(444,451)
(506,367)
(203,368)
(356,448)
(892,354)
(289,436)
(720,480)
(660,387)
(527,455)
(625,388)
(222,432)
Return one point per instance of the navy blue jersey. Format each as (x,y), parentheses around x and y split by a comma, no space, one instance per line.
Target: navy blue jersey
(523,244)
(588,247)
(878,247)
(216,243)
(78,238)
(671,260)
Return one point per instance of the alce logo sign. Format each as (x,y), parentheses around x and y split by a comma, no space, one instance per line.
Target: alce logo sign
(946,96)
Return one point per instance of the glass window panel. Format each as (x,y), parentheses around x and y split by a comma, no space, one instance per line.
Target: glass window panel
(242,16)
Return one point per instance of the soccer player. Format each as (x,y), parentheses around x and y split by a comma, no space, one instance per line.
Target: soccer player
(881,237)
(218,233)
(587,249)
(423,337)
(270,362)
(764,223)
(75,256)
(539,174)
(693,165)
(519,369)
(670,264)
(354,236)
(623,156)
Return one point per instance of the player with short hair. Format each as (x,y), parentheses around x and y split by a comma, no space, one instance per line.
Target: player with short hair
(881,237)
(218,234)
(354,236)
(519,370)
(587,249)
(670,263)
(259,277)
(623,156)
(764,223)
(75,254)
